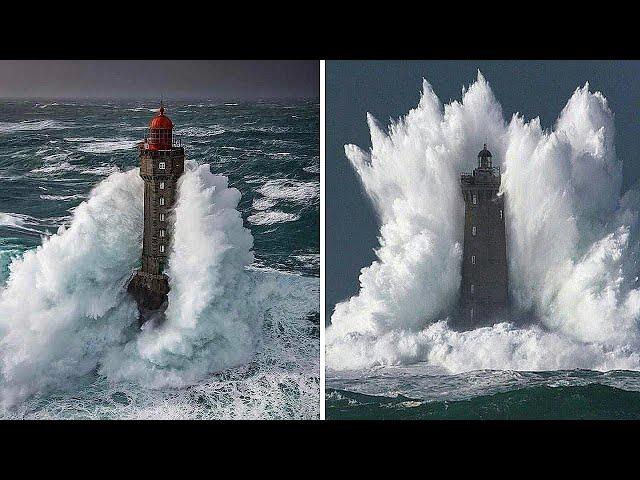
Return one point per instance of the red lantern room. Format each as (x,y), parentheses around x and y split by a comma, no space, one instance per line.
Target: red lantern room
(160,132)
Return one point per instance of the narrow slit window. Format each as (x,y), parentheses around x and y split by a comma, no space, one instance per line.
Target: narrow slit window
(161,201)
(500,214)
(161,165)
(473,231)
(475,199)
(161,248)
(162,188)
(161,232)
(473,259)
(472,288)
(162,217)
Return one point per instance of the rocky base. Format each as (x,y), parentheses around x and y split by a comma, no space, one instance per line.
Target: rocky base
(150,293)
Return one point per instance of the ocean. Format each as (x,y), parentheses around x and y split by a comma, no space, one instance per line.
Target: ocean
(242,339)
(422,392)
(569,348)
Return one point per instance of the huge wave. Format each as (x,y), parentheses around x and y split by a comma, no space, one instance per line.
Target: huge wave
(572,240)
(65,313)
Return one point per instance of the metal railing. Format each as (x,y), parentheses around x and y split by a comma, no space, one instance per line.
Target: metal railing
(176,141)
(495,171)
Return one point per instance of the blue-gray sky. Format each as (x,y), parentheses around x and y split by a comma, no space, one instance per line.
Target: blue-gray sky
(391,88)
(145,79)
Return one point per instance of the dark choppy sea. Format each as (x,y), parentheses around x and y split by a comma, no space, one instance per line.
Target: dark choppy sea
(53,153)
(422,392)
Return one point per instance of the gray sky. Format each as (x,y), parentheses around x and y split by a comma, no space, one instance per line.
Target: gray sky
(144,79)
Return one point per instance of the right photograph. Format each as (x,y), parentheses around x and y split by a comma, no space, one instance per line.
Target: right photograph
(482,240)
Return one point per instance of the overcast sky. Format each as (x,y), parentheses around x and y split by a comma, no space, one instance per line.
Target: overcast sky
(179,79)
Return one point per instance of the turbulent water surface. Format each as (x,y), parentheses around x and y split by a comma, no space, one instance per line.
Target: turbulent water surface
(572,239)
(241,338)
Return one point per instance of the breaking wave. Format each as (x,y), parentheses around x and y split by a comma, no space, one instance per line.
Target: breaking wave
(108,146)
(206,283)
(64,166)
(572,240)
(64,303)
(290,190)
(65,313)
(214,130)
(21,222)
(62,198)
(271,217)
(29,126)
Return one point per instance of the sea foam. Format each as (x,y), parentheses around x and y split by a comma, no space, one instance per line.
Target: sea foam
(65,315)
(572,240)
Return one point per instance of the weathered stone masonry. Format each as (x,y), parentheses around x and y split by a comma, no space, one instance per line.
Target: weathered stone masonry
(161,165)
(484,286)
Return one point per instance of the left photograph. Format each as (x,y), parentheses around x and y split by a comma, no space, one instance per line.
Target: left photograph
(159,239)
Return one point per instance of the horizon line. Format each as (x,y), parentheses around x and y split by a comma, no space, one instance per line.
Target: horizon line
(150,99)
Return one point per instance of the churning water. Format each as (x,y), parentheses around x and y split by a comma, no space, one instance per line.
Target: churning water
(242,333)
(572,251)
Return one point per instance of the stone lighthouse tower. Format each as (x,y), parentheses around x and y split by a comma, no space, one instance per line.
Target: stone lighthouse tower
(161,164)
(484,288)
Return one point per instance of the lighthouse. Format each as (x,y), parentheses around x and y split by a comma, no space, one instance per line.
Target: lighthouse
(484,285)
(161,165)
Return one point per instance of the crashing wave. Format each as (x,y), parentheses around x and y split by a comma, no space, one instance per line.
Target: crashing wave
(572,240)
(65,314)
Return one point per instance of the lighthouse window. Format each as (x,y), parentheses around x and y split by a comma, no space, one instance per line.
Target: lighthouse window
(162,233)
(161,248)
(475,199)
(161,165)
(161,200)
(162,217)
(473,259)
(162,188)
(473,231)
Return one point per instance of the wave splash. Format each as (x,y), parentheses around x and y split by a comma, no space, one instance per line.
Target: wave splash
(211,249)
(64,303)
(65,314)
(572,240)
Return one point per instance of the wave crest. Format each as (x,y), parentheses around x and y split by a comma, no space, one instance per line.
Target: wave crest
(65,313)
(572,240)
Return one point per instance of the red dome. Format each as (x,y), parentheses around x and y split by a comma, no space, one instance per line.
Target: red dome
(161,121)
